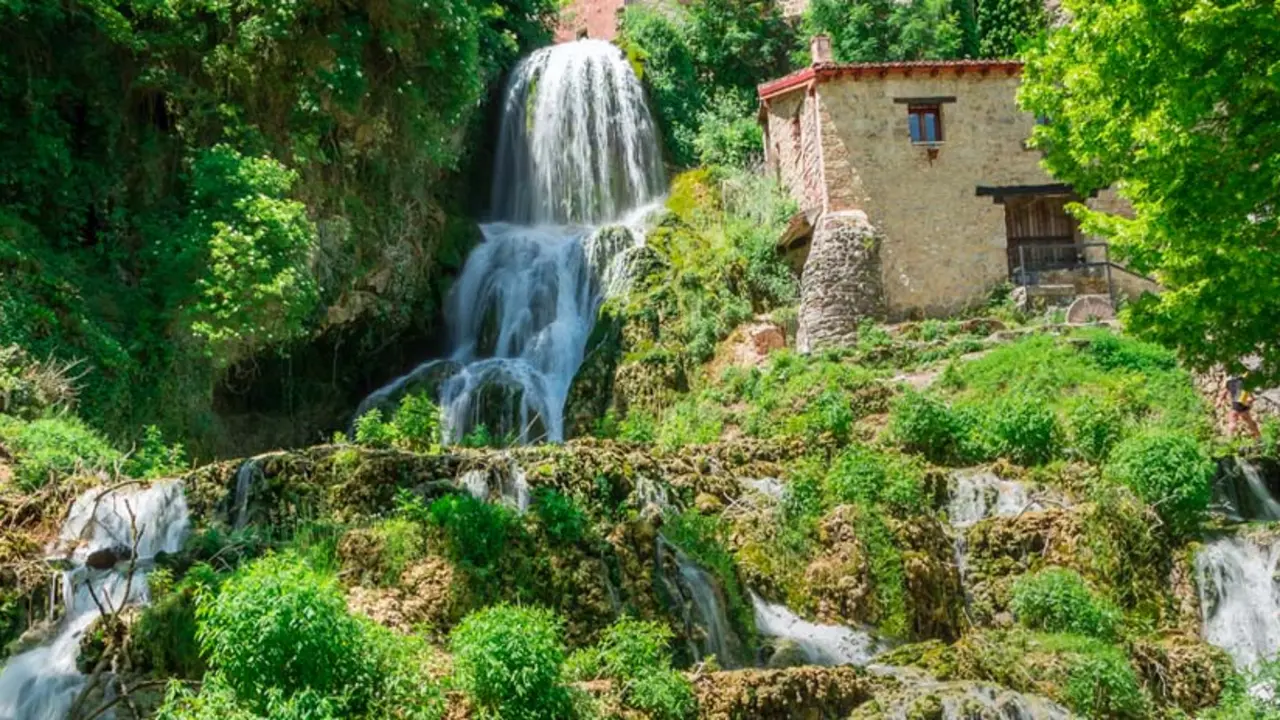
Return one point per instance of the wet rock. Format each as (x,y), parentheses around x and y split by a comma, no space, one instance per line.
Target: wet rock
(802,692)
(107,558)
(708,504)
(784,654)
(1182,670)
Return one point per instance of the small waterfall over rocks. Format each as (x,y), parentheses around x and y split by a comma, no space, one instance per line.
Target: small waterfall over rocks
(578,171)
(702,605)
(108,566)
(1241,493)
(975,496)
(819,644)
(1240,597)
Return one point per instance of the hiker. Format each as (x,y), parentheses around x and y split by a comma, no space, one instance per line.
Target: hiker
(1241,403)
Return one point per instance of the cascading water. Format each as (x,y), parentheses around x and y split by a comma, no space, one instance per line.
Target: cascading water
(962,700)
(820,644)
(702,604)
(1240,598)
(1242,494)
(128,527)
(577,157)
(977,495)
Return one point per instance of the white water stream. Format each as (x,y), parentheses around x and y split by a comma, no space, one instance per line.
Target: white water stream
(1239,597)
(820,644)
(578,171)
(43,683)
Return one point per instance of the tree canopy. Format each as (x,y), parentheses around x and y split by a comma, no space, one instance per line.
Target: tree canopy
(1173,103)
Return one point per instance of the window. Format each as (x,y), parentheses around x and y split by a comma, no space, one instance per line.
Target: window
(925,123)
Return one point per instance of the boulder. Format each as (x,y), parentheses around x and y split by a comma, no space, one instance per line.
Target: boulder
(107,558)
(1090,308)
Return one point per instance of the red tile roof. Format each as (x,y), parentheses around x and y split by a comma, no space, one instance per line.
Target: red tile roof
(827,71)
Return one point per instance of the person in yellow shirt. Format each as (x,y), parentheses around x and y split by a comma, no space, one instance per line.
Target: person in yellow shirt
(1241,406)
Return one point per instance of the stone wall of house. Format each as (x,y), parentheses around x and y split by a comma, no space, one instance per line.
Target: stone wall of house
(943,247)
(792,136)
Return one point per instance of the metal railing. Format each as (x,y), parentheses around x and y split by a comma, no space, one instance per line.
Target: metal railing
(1034,259)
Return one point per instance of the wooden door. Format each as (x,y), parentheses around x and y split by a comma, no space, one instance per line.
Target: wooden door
(1040,233)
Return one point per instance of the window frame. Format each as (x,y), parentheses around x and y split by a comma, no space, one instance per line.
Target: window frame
(922,110)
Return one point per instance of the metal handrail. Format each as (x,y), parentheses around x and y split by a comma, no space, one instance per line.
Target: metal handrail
(1022,273)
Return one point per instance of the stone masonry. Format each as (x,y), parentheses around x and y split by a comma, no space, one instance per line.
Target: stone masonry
(841,283)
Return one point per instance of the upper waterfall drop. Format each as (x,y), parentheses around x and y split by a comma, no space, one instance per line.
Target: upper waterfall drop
(577,143)
(578,169)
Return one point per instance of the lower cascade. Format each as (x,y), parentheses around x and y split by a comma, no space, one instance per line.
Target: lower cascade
(109,563)
(1239,597)
(819,644)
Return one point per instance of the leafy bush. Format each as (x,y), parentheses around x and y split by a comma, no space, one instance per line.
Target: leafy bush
(476,533)
(153,458)
(1094,426)
(728,133)
(926,424)
(690,423)
(635,653)
(563,521)
(1057,600)
(417,423)
(882,30)
(1100,680)
(1169,469)
(509,660)
(638,427)
(862,475)
(1024,429)
(163,639)
(50,448)
(372,431)
(277,624)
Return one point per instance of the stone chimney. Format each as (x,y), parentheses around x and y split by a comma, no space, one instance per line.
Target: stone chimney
(820,50)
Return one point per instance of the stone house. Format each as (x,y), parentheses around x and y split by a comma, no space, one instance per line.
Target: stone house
(918,191)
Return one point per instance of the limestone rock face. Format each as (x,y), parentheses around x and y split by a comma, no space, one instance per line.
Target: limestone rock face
(842,283)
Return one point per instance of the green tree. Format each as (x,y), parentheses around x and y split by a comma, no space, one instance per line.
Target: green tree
(1173,103)
(738,44)
(883,30)
(1005,26)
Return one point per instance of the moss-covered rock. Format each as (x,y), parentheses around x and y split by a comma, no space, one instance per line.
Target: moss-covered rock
(806,692)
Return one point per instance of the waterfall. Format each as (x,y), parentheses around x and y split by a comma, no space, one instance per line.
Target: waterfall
(43,683)
(979,494)
(1239,597)
(820,644)
(245,476)
(1247,500)
(578,170)
(702,605)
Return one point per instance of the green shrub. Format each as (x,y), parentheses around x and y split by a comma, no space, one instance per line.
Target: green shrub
(1100,680)
(638,427)
(509,660)
(417,424)
(563,521)
(279,625)
(1024,429)
(1113,352)
(399,543)
(50,448)
(728,133)
(1170,470)
(1094,426)
(153,458)
(372,431)
(864,476)
(1057,600)
(163,639)
(926,424)
(476,533)
(635,654)
(690,423)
